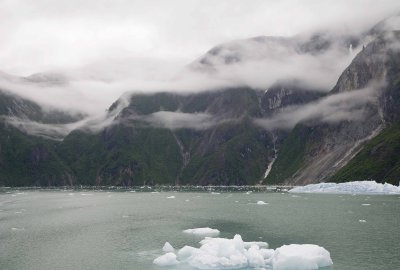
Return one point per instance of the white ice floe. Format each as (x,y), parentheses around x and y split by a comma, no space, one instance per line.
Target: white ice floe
(17,229)
(202,231)
(167,259)
(362,220)
(300,257)
(366,204)
(222,253)
(261,203)
(171,197)
(168,248)
(357,187)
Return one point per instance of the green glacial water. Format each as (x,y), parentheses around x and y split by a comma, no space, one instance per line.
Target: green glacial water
(49,230)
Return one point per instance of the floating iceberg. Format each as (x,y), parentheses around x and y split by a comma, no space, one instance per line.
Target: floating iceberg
(202,231)
(222,253)
(300,257)
(357,187)
(261,203)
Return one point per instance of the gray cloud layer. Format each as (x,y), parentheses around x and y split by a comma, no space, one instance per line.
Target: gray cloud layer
(334,108)
(46,34)
(104,48)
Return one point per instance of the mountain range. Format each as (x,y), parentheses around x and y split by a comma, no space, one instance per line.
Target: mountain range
(293,133)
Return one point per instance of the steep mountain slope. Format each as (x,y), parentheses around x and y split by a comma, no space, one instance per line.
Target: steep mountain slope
(25,159)
(379,159)
(318,149)
(13,106)
(205,138)
(163,138)
(291,133)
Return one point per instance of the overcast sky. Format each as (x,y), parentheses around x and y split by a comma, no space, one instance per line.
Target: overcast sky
(111,40)
(39,35)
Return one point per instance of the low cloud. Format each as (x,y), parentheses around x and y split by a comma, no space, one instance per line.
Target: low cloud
(347,106)
(180,120)
(97,52)
(104,50)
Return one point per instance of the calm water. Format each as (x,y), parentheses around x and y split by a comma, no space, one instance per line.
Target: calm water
(124,230)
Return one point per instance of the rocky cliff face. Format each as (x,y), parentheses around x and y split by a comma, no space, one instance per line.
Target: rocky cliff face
(284,94)
(324,148)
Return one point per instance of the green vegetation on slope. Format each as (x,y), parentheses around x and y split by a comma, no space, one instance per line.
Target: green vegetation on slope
(238,156)
(26,160)
(290,157)
(379,160)
(123,156)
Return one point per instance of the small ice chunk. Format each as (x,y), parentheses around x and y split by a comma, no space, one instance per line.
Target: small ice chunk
(171,197)
(168,248)
(215,193)
(362,220)
(261,203)
(300,257)
(366,204)
(249,192)
(202,231)
(167,259)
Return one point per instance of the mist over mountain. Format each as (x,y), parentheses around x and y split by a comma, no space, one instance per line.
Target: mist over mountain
(304,108)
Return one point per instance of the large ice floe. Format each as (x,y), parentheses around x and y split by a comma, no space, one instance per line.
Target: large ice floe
(357,187)
(222,253)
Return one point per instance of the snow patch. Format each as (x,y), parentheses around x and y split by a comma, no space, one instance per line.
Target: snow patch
(357,187)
